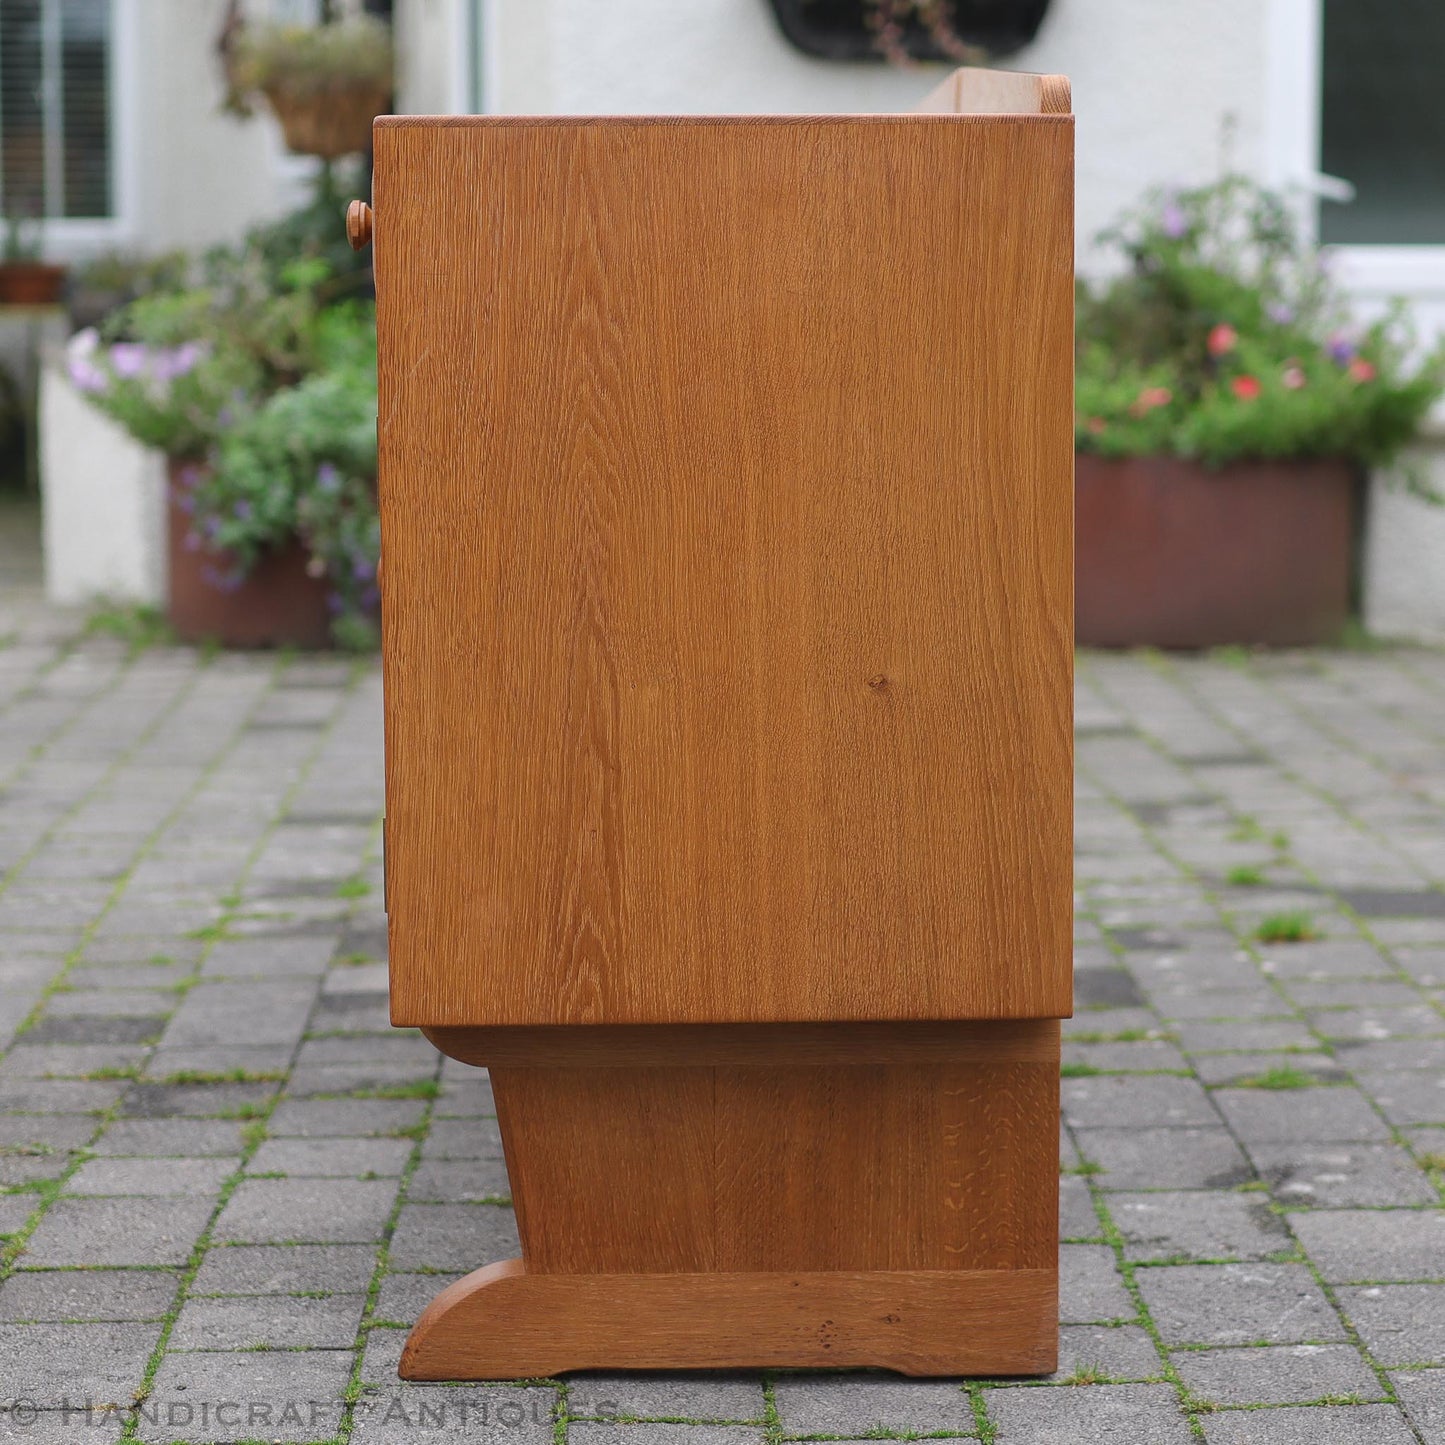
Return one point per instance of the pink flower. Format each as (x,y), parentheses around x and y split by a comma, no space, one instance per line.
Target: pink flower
(1293,377)
(1360,370)
(1222,338)
(1149,398)
(1095,424)
(1246,388)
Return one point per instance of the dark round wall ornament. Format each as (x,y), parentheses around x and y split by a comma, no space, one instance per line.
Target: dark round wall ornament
(963,31)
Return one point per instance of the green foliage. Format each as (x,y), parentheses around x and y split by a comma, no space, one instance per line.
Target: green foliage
(1286,1077)
(312,59)
(1225,338)
(257,366)
(1294,927)
(1244,875)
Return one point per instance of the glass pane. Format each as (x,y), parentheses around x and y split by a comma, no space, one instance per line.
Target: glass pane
(85,81)
(22,108)
(1383,124)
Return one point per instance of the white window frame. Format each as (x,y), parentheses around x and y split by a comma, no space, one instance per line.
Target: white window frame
(70,239)
(1294,54)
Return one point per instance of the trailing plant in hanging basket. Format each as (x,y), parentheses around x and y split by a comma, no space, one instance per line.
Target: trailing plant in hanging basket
(324,82)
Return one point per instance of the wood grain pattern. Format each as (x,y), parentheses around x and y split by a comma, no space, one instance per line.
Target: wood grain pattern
(503,1322)
(884,1162)
(970,91)
(726,507)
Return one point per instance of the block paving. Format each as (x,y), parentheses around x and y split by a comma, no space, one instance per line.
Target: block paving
(227,1187)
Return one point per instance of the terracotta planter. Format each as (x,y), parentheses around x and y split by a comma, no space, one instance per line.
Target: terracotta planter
(1170,553)
(30,283)
(277,604)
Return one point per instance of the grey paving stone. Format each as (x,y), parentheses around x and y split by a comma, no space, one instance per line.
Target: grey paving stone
(1319,1115)
(150,1176)
(338,1118)
(704,1396)
(855,1406)
(38,1061)
(57,1427)
(1255,1035)
(231,1014)
(331,1158)
(100,1030)
(460,1181)
(600,1434)
(172,1138)
(1277,1374)
(403,1297)
(1327,958)
(87,1294)
(1124,1101)
(1197,1226)
(1121,1352)
(1237,1304)
(1422,1393)
(449,1415)
(286,1269)
(49,1364)
(463,1139)
(166,1101)
(287,1322)
(1370,1246)
(1138,1056)
(1415,1097)
(1400,1324)
(268,1211)
(15,1209)
(453,1236)
(222,1396)
(1374,1024)
(1309,1425)
(1342,1175)
(1136,1414)
(1391,1054)
(117,1232)
(59,1096)
(1191,1158)
(1091,1289)
(1216,1069)
(1077,1216)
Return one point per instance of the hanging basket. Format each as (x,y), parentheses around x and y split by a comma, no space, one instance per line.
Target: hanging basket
(332,122)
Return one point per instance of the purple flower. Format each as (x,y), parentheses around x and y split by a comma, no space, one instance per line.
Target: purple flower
(1341,348)
(129,359)
(243,510)
(335,602)
(188,475)
(168,365)
(1281,313)
(186,502)
(328,479)
(362,569)
(80,362)
(193,542)
(370,598)
(1172,220)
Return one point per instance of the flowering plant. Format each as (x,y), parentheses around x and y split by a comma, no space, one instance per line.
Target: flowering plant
(260,374)
(1226,338)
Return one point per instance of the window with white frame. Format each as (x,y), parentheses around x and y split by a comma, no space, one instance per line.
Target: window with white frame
(56,139)
(1382,127)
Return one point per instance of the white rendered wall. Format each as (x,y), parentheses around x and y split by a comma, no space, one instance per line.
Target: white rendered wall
(1154,80)
(103,499)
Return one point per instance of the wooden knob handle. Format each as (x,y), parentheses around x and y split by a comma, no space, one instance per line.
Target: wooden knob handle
(358,225)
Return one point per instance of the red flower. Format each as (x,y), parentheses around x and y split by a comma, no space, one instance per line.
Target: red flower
(1360,370)
(1149,398)
(1246,388)
(1221,339)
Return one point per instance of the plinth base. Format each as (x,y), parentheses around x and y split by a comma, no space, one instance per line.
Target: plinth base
(797,1195)
(504,1323)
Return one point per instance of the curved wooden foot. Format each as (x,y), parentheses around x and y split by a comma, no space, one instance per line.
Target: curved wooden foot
(503,1323)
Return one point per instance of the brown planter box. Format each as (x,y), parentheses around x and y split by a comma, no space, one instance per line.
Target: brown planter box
(278,604)
(30,283)
(1170,553)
